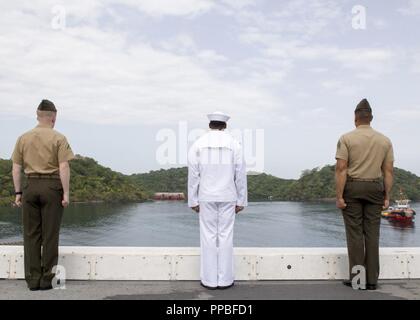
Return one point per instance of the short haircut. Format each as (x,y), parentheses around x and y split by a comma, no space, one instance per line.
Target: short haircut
(364,115)
(219,125)
(45,114)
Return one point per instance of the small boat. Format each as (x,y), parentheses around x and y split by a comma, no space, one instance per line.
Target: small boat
(169,196)
(401,211)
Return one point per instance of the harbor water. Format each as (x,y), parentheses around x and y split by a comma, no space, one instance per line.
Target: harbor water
(166,224)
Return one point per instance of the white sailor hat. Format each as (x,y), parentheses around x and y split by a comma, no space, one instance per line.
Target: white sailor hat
(218,116)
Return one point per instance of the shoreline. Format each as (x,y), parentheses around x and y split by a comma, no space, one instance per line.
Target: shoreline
(314,201)
(3,205)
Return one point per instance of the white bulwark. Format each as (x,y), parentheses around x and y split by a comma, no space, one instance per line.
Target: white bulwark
(133,263)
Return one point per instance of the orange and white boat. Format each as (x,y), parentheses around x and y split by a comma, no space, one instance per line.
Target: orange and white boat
(401,211)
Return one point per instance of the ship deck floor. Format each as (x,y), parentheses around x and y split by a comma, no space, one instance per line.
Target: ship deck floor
(188,290)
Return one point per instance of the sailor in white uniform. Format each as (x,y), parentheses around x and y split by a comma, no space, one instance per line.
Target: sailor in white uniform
(217,190)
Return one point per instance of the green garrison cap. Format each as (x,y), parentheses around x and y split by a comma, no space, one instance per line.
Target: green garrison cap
(363,106)
(47,105)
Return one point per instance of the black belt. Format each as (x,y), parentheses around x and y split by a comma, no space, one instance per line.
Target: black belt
(42,176)
(362,180)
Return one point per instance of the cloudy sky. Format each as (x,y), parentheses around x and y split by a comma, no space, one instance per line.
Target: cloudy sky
(121,71)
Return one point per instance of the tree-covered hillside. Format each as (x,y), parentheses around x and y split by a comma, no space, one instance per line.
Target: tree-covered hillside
(267,187)
(6,182)
(319,184)
(89,182)
(171,180)
(175,180)
(315,184)
(93,182)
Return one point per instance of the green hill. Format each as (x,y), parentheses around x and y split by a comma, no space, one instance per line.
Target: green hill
(315,184)
(6,182)
(93,182)
(175,180)
(89,182)
(320,184)
(264,186)
(170,180)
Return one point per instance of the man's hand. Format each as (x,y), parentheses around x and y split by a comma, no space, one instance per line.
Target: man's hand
(18,201)
(16,173)
(196,209)
(386,204)
(341,204)
(66,200)
(65,182)
(238,209)
(388,172)
(340,182)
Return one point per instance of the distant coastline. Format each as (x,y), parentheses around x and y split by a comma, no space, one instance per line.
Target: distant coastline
(93,183)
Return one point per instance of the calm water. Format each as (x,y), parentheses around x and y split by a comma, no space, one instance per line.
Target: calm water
(263,224)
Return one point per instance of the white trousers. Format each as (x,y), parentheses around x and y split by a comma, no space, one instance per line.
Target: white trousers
(216,238)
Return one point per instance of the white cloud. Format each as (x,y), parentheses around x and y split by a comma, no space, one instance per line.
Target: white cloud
(210,56)
(405,114)
(293,34)
(184,44)
(340,88)
(315,112)
(159,62)
(106,76)
(296,19)
(239,4)
(380,24)
(416,62)
(366,63)
(413,8)
(171,7)
(318,70)
(181,43)
(80,9)
(100,77)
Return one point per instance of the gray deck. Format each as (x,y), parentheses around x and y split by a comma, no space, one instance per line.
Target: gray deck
(186,290)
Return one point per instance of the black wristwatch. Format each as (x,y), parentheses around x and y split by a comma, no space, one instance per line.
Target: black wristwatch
(18,193)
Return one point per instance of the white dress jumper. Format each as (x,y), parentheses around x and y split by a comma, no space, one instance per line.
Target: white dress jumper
(217,182)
